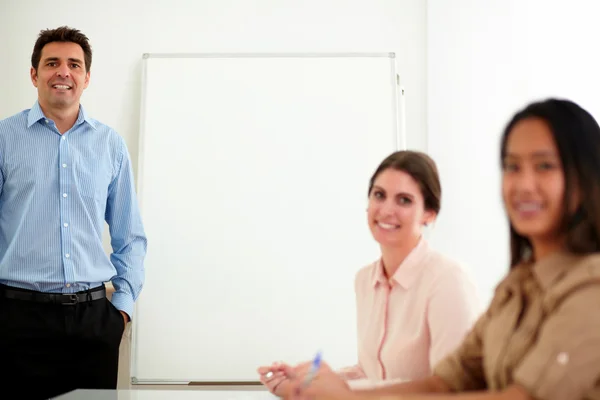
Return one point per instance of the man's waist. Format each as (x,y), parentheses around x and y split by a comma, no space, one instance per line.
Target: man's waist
(50,286)
(52,277)
(17,293)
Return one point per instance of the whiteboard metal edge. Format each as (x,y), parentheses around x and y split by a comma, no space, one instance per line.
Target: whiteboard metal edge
(198,382)
(402,113)
(399,135)
(270,55)
(141,154)
(135,381)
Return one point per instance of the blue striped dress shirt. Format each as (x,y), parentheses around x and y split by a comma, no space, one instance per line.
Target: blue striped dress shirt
(56,191)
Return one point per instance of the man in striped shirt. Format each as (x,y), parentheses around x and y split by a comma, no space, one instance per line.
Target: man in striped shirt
(62,175)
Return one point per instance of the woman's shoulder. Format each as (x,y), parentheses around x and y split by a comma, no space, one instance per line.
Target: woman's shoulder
(367,277)
(559,276)
(447,275)
(367,272)
(439,265)
(576,274)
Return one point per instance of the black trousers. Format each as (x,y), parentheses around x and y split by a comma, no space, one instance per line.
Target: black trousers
(50,349)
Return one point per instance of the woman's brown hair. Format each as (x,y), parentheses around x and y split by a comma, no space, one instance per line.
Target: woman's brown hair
(421,168)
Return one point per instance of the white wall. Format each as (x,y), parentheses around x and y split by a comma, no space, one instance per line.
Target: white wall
(561,56)
(471,92)
(120,31)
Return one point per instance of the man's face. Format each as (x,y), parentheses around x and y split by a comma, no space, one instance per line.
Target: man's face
(60,77)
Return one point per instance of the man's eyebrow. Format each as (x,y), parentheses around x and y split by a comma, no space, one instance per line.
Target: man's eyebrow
(76,60)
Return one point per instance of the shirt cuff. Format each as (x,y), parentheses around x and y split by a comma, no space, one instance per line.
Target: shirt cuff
(123,302)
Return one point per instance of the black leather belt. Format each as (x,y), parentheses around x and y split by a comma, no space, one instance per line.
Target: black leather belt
(55,298)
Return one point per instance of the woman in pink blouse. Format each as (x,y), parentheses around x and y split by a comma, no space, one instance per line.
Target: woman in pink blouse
(414,305)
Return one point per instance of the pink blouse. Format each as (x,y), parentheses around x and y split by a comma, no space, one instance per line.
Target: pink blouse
(407,324)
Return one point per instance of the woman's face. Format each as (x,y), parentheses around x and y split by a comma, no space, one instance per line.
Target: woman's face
(396,209)
(533,181)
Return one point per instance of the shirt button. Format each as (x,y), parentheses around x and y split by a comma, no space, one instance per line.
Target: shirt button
(46,121)
(64,138)
(562,358)
(67,255)
(66,225)
(68,285)
(64,165)
(64,195)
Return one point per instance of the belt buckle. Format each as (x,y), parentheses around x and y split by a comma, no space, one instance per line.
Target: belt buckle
(74,299)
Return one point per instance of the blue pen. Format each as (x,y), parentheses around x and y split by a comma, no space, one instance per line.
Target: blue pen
(313,369)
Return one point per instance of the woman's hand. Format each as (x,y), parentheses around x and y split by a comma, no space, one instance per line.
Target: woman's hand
(276,377)
(325,384)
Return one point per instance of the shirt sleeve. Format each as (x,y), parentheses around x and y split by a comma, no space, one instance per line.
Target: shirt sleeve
(128,239)
(452,311)
(352,373)
(355,372)
(462,370)
(367,384)
(564,362)
(1,173)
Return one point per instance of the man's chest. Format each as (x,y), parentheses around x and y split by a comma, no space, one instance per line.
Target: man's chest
(54,164)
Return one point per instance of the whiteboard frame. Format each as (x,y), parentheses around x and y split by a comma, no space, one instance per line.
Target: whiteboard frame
(399,125)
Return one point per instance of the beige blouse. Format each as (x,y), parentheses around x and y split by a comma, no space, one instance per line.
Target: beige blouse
(542,331)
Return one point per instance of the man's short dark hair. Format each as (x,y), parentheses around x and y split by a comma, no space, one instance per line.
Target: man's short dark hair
(61,34)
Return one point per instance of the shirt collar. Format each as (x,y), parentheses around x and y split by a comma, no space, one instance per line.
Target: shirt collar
(408,271)
(548,270)
(35,114)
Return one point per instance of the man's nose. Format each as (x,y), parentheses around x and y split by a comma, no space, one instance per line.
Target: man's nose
(63,71)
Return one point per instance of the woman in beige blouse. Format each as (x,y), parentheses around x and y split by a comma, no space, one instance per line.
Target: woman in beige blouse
(540,337)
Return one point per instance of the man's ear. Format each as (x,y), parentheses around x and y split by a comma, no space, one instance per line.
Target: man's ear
(34,77)
(87,80)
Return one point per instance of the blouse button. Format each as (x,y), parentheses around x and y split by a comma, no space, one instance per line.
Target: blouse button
(562,358)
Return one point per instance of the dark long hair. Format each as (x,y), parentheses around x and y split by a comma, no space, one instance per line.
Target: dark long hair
(577,137)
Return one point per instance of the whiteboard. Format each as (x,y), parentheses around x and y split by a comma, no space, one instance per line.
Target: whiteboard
(253,181)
